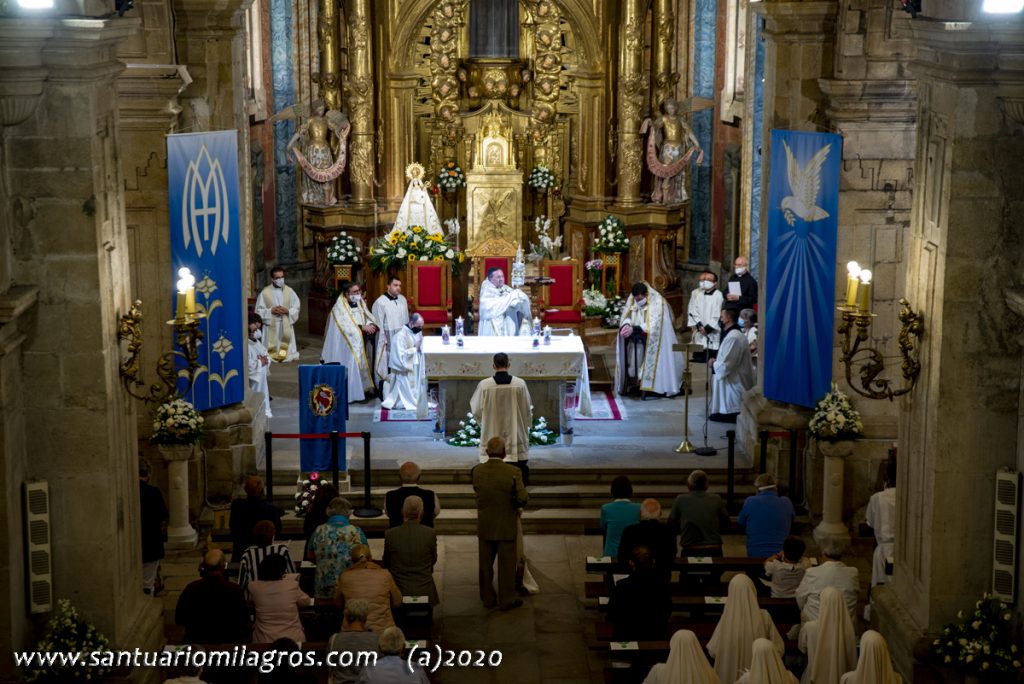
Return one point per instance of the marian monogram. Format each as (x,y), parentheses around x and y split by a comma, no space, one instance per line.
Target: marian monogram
(204,204)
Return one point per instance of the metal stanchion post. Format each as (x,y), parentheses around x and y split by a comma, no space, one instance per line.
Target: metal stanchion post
(268,439)
(730,491)
(764,451)
(334,457)
(367,510)
(685,447)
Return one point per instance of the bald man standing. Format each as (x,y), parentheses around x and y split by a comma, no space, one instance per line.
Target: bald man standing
(212,609)
(747,298)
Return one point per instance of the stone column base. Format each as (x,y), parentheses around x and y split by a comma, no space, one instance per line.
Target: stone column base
(901,631)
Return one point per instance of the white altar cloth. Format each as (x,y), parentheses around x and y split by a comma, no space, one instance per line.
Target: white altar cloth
(563,359)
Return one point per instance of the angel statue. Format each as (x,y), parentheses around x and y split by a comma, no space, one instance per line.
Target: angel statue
(320,165)
(670,144)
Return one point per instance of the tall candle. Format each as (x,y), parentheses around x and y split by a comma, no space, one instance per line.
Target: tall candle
(852,282)
(190,301)
(180,311)
(864,292)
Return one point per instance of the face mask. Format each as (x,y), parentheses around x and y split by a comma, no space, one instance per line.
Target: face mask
(706,285)
(741,323)
(355,298)
(740,270)
(278,282)
(257,335)
(641,302)
(417,330)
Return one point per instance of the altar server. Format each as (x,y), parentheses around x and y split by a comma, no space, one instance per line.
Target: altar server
(278,306)
(734,371)
(704,311)
(407,384)
(661,370)
(503,310)
(502,405)
(349,340)
(259,362)
(392,313)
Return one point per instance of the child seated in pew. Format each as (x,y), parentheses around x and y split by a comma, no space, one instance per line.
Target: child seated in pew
(787,568)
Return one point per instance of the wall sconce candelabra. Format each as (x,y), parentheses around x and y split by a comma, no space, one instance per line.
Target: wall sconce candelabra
(187,336)
(856,314)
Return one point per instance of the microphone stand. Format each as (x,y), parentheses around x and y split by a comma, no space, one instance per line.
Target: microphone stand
(707,450)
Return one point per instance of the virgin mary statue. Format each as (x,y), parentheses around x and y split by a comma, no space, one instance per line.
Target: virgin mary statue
(416,208)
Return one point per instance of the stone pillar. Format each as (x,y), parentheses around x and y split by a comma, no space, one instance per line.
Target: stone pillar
(630,103)
(360,94)
(180,535)
(832,530)
(62,167)
(959,424)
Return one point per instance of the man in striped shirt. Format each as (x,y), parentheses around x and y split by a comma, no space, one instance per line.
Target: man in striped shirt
(263,536)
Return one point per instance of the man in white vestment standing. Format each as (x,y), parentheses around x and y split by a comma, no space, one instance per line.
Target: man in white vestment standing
(703,312)
(406,387)
(503,310)
(278,306)
(503,407)
(733,370)
(391,310)
(351,329)
(259,362)
(661,370)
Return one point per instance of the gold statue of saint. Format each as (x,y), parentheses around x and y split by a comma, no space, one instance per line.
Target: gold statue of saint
(670,145)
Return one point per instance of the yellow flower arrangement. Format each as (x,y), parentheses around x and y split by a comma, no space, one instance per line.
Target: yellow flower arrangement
(417,230)
(406,244)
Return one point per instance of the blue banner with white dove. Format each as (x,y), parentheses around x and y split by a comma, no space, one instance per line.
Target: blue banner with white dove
(323,407)
(796,325)
(206,239)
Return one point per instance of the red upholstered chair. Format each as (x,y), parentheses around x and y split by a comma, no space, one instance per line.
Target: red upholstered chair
(561,303)
(429,286)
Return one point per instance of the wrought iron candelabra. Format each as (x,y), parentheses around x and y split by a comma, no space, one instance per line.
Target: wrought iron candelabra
(187,336)
(872,363)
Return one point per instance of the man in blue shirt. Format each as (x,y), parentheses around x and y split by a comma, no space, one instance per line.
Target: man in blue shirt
(767,518)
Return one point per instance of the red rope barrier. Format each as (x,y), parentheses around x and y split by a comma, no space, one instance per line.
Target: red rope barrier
(320,435)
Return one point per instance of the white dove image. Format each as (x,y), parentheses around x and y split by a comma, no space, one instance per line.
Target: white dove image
(805,184)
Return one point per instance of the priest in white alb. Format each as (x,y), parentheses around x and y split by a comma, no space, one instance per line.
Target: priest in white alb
(406,386)
(733,370)
(704,310)
(349,340)
(661,369)
(278,306)
(504,310)
(391,311)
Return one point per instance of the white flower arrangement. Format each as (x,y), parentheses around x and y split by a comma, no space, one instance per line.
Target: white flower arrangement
(546,247)
(177,422)
(342,250)
(594,302)
(306,492)
(611,236)
(68,632)
(450,178)
(613,312)
(984,642)
(541,178)
(468,434)
(835,418)
(540,434)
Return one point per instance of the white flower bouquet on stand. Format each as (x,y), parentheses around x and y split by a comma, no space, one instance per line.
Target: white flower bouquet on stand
(611,236)
(177,422)
(594,302)
(835,418)
(342,250)
(541,178)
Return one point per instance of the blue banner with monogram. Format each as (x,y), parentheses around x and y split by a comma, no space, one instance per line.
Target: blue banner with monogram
(800,291)
(206,238)
(323,407)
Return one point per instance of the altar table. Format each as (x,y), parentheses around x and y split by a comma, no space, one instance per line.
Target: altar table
(546,369)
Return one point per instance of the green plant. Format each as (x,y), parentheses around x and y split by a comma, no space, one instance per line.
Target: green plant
(985,642)
(177,422)
(68,632)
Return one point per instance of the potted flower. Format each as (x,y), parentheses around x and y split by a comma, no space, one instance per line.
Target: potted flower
(984,643)
(546,248)
(68,632)
(594,303)
(593,269)
(541,178)
(307,489)
(613,312)
(611,236)
(177,426)
(413,243)
(450,178)
(342,250)
(835,419)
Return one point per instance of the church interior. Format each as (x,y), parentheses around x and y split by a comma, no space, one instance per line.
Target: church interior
(581,146)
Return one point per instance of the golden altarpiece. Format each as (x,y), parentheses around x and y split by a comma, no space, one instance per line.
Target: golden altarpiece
(568,86)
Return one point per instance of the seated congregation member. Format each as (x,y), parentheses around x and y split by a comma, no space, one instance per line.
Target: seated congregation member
(350,340)
(786,568)
(355,638)
(661,370)
(640,604)
(248,511)
(283,673)
(263,535)
(212,609)
(392,668)
(503,406)
(407,388)
(686,663)
(829,641)
(192,674)
(766,667)
(330,547)
(410,553)
(317,513)
(618,514)
(652,533)
(276,598)
(699,517)
(369,581)
(733,370)
(766,517)
(874,665)
(742,622)
(832,573)
(409,476)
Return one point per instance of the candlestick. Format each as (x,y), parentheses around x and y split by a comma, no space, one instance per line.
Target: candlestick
(460,327)
(182,309)
(536,326)
(864,292)
(852,281)
(445,335)
(190,301)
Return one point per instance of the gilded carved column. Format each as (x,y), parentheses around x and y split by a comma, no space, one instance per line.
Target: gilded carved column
(398,144)
(329,78)
(448,18)
(665,78)
(360,102)
(631,99)
(547,72)
(590,149)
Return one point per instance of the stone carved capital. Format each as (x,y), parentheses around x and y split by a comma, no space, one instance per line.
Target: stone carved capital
(21,67)
(841,449)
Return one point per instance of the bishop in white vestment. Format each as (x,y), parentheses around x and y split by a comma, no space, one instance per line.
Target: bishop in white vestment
(704,310)
(662,369)
(278,306)
(406,388)
(259,362)
(391,310)
(349,341)
(504,409)
(503,310)
(734,371)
